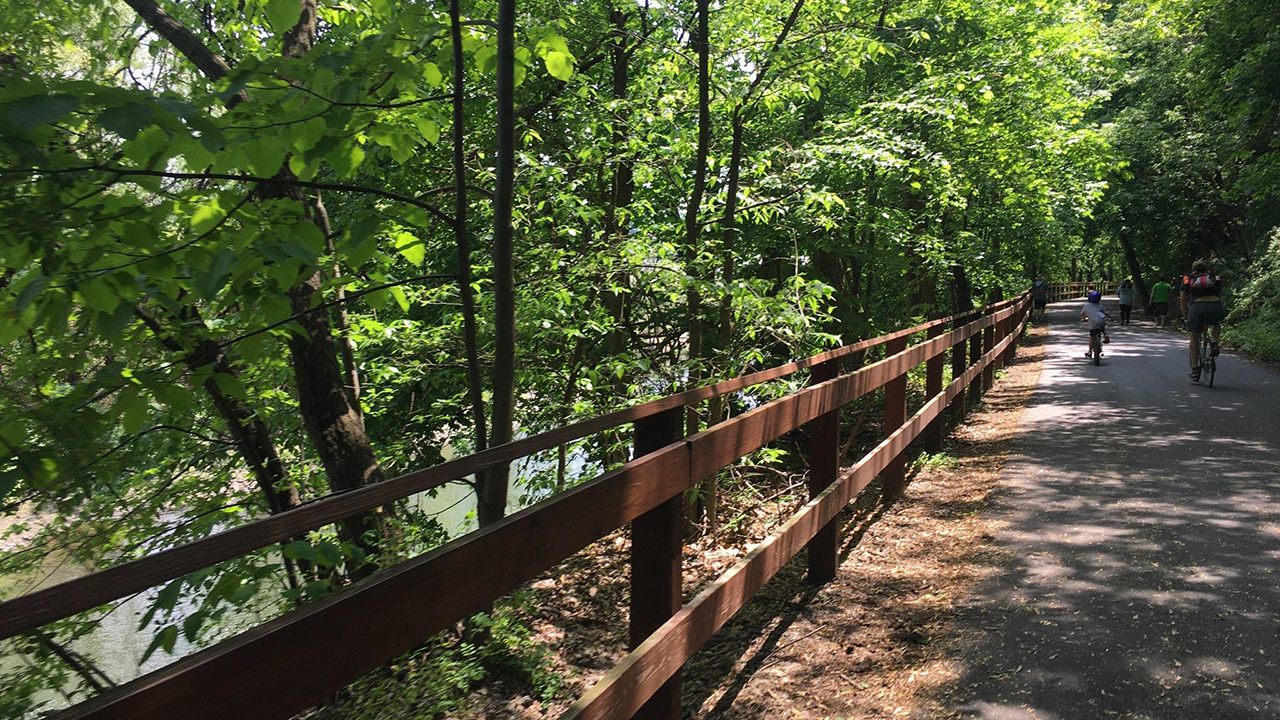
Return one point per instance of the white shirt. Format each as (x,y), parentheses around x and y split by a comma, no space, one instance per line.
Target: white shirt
(1095,314)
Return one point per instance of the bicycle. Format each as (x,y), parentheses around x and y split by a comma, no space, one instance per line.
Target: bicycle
(1095,345)
(1208,361)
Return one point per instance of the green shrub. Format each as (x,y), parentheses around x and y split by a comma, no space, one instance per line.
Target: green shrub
(1254,322)
(437,679)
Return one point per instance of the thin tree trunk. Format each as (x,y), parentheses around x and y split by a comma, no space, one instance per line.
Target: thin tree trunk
(252,436)
(621,191)
(343,320)
(961,293)
(692,228)
(462,237)
(1135,269)
(492,488)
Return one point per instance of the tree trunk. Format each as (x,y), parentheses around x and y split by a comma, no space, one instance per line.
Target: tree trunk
(491,490)
(462,238)
(342,320)
(333,424)
(692,228)
(1135,270)
(961,292)
(621,191)
(251,434)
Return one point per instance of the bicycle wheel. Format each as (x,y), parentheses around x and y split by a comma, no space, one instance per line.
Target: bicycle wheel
(1097,351)
(1208,362)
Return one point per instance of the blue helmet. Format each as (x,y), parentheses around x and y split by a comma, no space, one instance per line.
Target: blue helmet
(1095,296)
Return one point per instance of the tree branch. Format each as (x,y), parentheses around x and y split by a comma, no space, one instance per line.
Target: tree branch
(294,182)
(213,65)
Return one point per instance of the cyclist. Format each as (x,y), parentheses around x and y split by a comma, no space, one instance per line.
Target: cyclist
(1097,318)
(1201,308)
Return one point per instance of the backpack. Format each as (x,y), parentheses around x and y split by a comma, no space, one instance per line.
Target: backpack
(1201,281)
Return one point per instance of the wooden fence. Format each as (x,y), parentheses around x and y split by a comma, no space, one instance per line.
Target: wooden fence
(290,663)
(1072,290)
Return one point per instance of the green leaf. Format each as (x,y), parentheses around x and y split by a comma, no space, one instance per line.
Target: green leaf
(13,434)
(401,298)
(266,156)
(244,593)
(486,58)
(99,294)
(133,410)
(429,129)
(282,15)
(28,112)
(411,248)
(231,385)
(251,347)
(431,73)
(207,215)
(209,282)
(191,626)
(300,550)
(146,145)
(127,120)
(165,600)
(177,397)
(559,65)
(328,554)
(196,155)
(165,639)
(346,159)
(306,135)
(223,589)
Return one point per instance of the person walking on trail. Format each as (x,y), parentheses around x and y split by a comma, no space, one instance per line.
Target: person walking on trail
(1202,309)
(1040,295)
(1160,293)
(1125,294)
(1097,317)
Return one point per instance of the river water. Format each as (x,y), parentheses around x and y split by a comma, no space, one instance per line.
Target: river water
(117,644)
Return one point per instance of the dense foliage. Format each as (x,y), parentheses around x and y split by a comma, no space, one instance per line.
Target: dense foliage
(258,251)
(1193,123)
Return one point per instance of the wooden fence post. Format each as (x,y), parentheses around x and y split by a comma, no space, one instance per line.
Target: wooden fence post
(933,386)
(997,335)
(895,414)
(824,466)
(975,354)
(960,363)
(656,548)
(1015,328)
(989,372)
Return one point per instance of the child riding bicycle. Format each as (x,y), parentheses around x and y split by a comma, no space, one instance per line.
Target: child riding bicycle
(1097,317)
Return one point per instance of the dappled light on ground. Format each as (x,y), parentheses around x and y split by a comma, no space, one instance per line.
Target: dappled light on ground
(1139,518)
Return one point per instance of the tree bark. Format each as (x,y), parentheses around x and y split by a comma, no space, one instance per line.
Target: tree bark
(342,319)
(462,237)
(1135,269)
(332,423)
(621,191)
(492,486)
(692,228)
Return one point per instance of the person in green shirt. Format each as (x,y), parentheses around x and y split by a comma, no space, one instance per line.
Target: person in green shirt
(1160,301)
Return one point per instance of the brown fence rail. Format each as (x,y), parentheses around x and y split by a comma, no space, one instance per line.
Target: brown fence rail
(270,671)
(1072,290)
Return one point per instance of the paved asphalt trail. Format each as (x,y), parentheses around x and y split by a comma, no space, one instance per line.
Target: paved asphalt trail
(1143,517)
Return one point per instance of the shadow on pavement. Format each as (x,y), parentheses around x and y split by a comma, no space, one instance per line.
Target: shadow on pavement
(1142,521)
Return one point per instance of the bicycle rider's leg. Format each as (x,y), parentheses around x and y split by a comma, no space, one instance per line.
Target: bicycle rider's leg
(1195,349)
